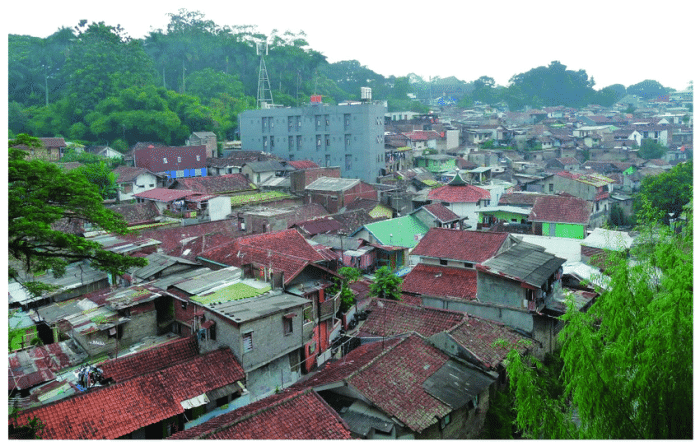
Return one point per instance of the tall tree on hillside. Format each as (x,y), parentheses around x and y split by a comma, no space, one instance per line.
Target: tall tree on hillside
(551,86)
(102,62)
(647,89)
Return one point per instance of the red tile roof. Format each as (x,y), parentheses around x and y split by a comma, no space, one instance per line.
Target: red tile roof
(561,209)
(394,318)
(519,198)
(465,246)
(286,250)
(393,382)
(53,142)
(295,415)
(441,212)
(441,281)
(320,225)
(137,213)
(175,239)
(165,195)
(214,185)
(151,360)
(479,336)
(114,411)
(422,135)
(303,164)
(459,194)
(126,174)
(341,369)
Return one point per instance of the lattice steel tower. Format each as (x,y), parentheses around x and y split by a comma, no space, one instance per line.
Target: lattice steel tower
(264,90)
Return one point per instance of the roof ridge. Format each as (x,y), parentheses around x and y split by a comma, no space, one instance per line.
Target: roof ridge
(293,394)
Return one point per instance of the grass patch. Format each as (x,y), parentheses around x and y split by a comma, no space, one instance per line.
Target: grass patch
(230,293)
(240,200)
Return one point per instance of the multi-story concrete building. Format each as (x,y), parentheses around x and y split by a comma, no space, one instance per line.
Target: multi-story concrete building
(349,135)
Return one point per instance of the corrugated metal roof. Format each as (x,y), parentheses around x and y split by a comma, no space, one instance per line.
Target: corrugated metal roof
(250,309)
(456,384)
(158,262)
(210,280)
(525,262)
(333,184)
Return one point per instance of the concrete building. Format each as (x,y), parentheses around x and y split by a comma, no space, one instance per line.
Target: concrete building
(349,135)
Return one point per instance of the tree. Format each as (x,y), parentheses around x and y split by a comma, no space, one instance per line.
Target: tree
(651,149)
(628,360)
(386,285)
(668,191)
(100,175)
(647,89)
(347,297)
(40,194)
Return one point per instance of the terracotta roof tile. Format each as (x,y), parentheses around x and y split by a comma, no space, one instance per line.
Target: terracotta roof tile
(127,174)
(519,198)
(303,164)
(441,212)
(561,209)
(441,281)
(286,250)
(165,195)
(214,185)
(117,410)
(479,336)
(137,213)
(459,194)
(393,382)
(300,415)
(151,360)
(465,246)
(394,318)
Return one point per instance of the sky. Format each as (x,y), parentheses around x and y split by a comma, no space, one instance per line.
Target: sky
(614,41)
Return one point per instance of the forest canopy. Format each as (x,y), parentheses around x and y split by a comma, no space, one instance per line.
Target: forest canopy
(93,83)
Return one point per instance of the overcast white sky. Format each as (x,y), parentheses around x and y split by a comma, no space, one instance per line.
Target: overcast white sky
(614,41)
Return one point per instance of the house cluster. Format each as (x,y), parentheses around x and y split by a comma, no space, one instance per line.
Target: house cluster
(235,330)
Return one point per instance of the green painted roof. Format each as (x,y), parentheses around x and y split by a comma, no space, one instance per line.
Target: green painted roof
(230,293)
(402,231)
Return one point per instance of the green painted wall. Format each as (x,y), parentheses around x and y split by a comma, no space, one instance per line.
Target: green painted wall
(564,230)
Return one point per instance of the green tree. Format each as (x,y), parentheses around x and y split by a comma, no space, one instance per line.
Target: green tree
(628,360)
(102,62)
(647,89)
(102,177)
(651,149)
(668,191)
(386,285)
(550,86)
(39,195)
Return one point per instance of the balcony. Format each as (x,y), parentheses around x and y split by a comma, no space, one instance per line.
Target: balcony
(307,332)
(329,308)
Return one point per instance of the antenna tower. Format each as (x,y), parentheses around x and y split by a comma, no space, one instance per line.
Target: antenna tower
(264,90)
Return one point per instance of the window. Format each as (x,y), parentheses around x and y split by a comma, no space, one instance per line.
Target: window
(184,305)
(248,342)
(444,421)
(288,324)
(551,187)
